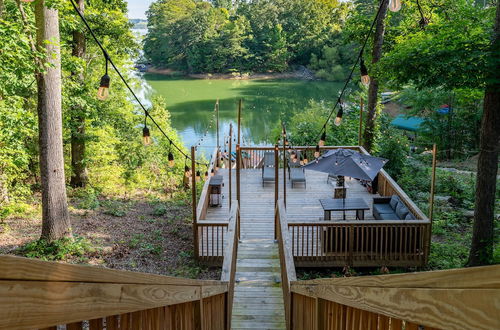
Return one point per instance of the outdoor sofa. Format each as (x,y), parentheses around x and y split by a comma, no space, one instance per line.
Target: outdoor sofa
(391,208)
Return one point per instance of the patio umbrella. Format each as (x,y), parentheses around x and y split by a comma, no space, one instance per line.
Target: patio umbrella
(346,162)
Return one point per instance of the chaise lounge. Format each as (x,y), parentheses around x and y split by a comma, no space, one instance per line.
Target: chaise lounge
(296,173)
(268,170)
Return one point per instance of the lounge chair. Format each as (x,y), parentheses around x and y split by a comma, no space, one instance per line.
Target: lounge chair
(268,170)
(296,173)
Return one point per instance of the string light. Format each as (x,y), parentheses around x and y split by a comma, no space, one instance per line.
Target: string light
(338,119)
(395,5)
(146,136)
(103,91)
(206,175)
(305,158)
(353,68)
(198,176)
(323,137)
(316,152)
(171,161)
(301,161)
(212,172)
(365,78)
(106,83)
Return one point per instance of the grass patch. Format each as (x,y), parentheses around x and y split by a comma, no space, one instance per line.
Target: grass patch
(62,249)
(115,208)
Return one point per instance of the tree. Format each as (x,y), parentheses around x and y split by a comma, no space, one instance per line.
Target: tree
(378,41)
(441,57)
(481,252)
(55,217)
(79,176)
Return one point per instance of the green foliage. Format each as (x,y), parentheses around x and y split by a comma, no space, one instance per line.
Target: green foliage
(115,208)
(61,249)
(333,62)
(394,146)
(86,198)
(450,52)
(199,36)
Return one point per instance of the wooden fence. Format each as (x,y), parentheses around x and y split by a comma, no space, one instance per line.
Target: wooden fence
(212,238)
(467,298)
(40,295)
(361,243)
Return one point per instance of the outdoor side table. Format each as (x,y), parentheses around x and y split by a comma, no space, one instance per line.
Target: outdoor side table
(215,190)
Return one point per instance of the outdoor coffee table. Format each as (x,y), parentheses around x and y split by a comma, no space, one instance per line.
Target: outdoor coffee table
(347,204)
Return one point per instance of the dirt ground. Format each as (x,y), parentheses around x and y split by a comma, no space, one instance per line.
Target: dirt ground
(134,235)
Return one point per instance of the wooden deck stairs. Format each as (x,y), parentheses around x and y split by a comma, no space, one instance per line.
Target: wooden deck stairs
(258,296)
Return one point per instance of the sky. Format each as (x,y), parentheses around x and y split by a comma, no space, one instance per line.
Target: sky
(138,8)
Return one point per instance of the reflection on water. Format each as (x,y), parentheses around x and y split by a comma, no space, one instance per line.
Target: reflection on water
(191,104)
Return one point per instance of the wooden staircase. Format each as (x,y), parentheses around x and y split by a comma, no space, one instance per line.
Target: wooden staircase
(258,296)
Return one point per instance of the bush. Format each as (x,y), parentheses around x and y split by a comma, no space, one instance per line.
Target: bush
(61,249)
(86,198)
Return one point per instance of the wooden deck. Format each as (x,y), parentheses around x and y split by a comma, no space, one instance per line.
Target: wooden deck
(258,297)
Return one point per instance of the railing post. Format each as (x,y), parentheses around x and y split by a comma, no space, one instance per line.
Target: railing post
(238,174)
(230,169)
(284,173)
(193,192)
(276,175)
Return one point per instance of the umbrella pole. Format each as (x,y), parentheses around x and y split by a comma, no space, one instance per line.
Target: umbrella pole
(343,197)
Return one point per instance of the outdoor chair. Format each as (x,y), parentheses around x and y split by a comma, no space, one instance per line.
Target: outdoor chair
(268,170)
(296,173)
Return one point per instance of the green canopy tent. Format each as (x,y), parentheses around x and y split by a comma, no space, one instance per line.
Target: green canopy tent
(412,124)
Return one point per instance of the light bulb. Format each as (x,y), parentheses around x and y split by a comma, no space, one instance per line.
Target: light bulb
(293,156)
(206,175)
(306,161)
(286,142)
(395,5)
(103,91)
(316,153)
(365,80)
(171,161)
(338,119)
(212,172)
(198,176)
(187,172)
(323,139)
(146,137)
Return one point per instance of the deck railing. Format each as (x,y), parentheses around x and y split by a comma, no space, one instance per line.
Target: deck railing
(466,298)
(361,243)
(36,294)
(203,201)
(286,258)
(212,238)
(229,264)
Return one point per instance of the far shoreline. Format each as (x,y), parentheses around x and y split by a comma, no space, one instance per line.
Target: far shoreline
(302,73)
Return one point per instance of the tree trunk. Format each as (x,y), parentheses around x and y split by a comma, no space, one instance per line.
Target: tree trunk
(481,252)
(79,176)
(55,219)
(378,41)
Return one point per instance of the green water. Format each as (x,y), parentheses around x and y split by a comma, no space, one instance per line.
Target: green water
(191,103)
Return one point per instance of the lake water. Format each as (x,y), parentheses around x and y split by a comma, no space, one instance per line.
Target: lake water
(191,104)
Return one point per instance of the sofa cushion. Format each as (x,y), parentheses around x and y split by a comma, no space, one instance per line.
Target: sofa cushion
(410,216)
(388,216)
(401,211)
(394,202)
(382,208)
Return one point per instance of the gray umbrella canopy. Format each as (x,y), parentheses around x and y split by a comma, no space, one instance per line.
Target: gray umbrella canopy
(346,162)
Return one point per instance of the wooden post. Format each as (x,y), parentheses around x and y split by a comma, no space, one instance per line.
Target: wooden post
(230,165)
(433,182)
(238,165)
(193,191)
(217,110)
(360,133)
(284,172)
(276,175)
(240,106)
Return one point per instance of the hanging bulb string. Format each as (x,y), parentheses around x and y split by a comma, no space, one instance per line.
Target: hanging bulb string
(108,59)
(355,65)
(210,123)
